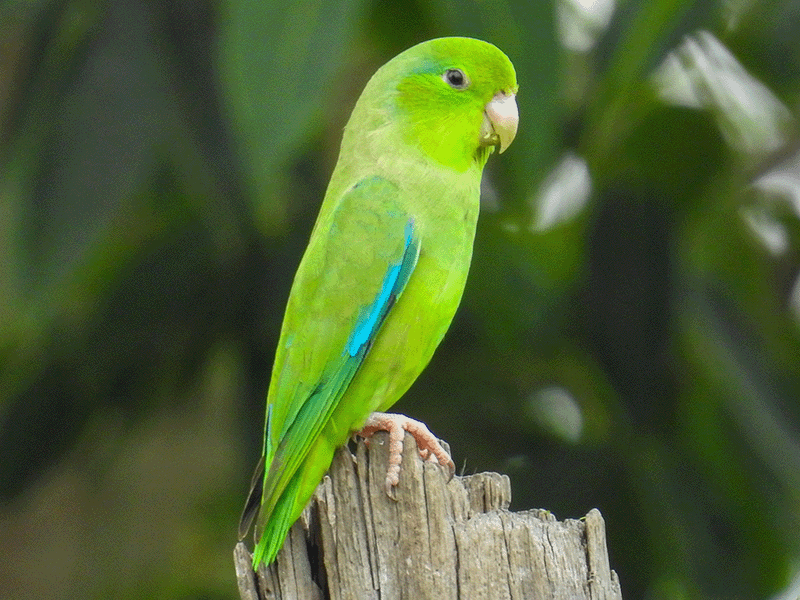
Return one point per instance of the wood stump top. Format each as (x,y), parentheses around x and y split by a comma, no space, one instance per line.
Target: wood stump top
(441,540)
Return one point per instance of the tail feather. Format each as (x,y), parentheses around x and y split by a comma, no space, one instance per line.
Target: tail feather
(253,500)
(278,525)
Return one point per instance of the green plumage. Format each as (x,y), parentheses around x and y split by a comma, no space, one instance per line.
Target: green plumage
(384,270)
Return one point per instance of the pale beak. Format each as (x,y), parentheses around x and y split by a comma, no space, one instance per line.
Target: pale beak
(500,120)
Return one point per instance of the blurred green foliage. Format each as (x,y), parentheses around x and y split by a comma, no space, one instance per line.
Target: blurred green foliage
(629,338)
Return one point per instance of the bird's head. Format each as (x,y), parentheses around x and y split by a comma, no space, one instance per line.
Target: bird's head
(456,99)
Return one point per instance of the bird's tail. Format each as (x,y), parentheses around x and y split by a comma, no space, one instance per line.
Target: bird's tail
(253,500)
(276,528)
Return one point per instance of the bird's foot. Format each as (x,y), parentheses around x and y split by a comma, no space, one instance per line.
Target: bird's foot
(429,447)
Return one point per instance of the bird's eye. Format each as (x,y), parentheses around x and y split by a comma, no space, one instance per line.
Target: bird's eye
(456,79)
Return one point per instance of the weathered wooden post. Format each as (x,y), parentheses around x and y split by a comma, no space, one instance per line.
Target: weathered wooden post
(438,540)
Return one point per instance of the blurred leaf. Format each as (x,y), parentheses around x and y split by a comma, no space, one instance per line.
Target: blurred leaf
(277,63)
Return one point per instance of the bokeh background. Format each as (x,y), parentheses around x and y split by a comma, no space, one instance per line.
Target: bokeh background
(630,334)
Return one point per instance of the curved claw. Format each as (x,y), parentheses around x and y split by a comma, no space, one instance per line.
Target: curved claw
(429,447)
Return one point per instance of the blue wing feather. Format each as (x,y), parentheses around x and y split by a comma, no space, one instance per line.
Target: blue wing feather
(394,282)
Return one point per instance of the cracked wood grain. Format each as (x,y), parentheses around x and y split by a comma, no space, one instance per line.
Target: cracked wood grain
(443,540)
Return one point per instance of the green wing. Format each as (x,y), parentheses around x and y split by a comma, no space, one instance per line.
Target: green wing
(358,262)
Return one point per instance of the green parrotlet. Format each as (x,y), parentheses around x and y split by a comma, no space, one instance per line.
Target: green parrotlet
(384,270)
